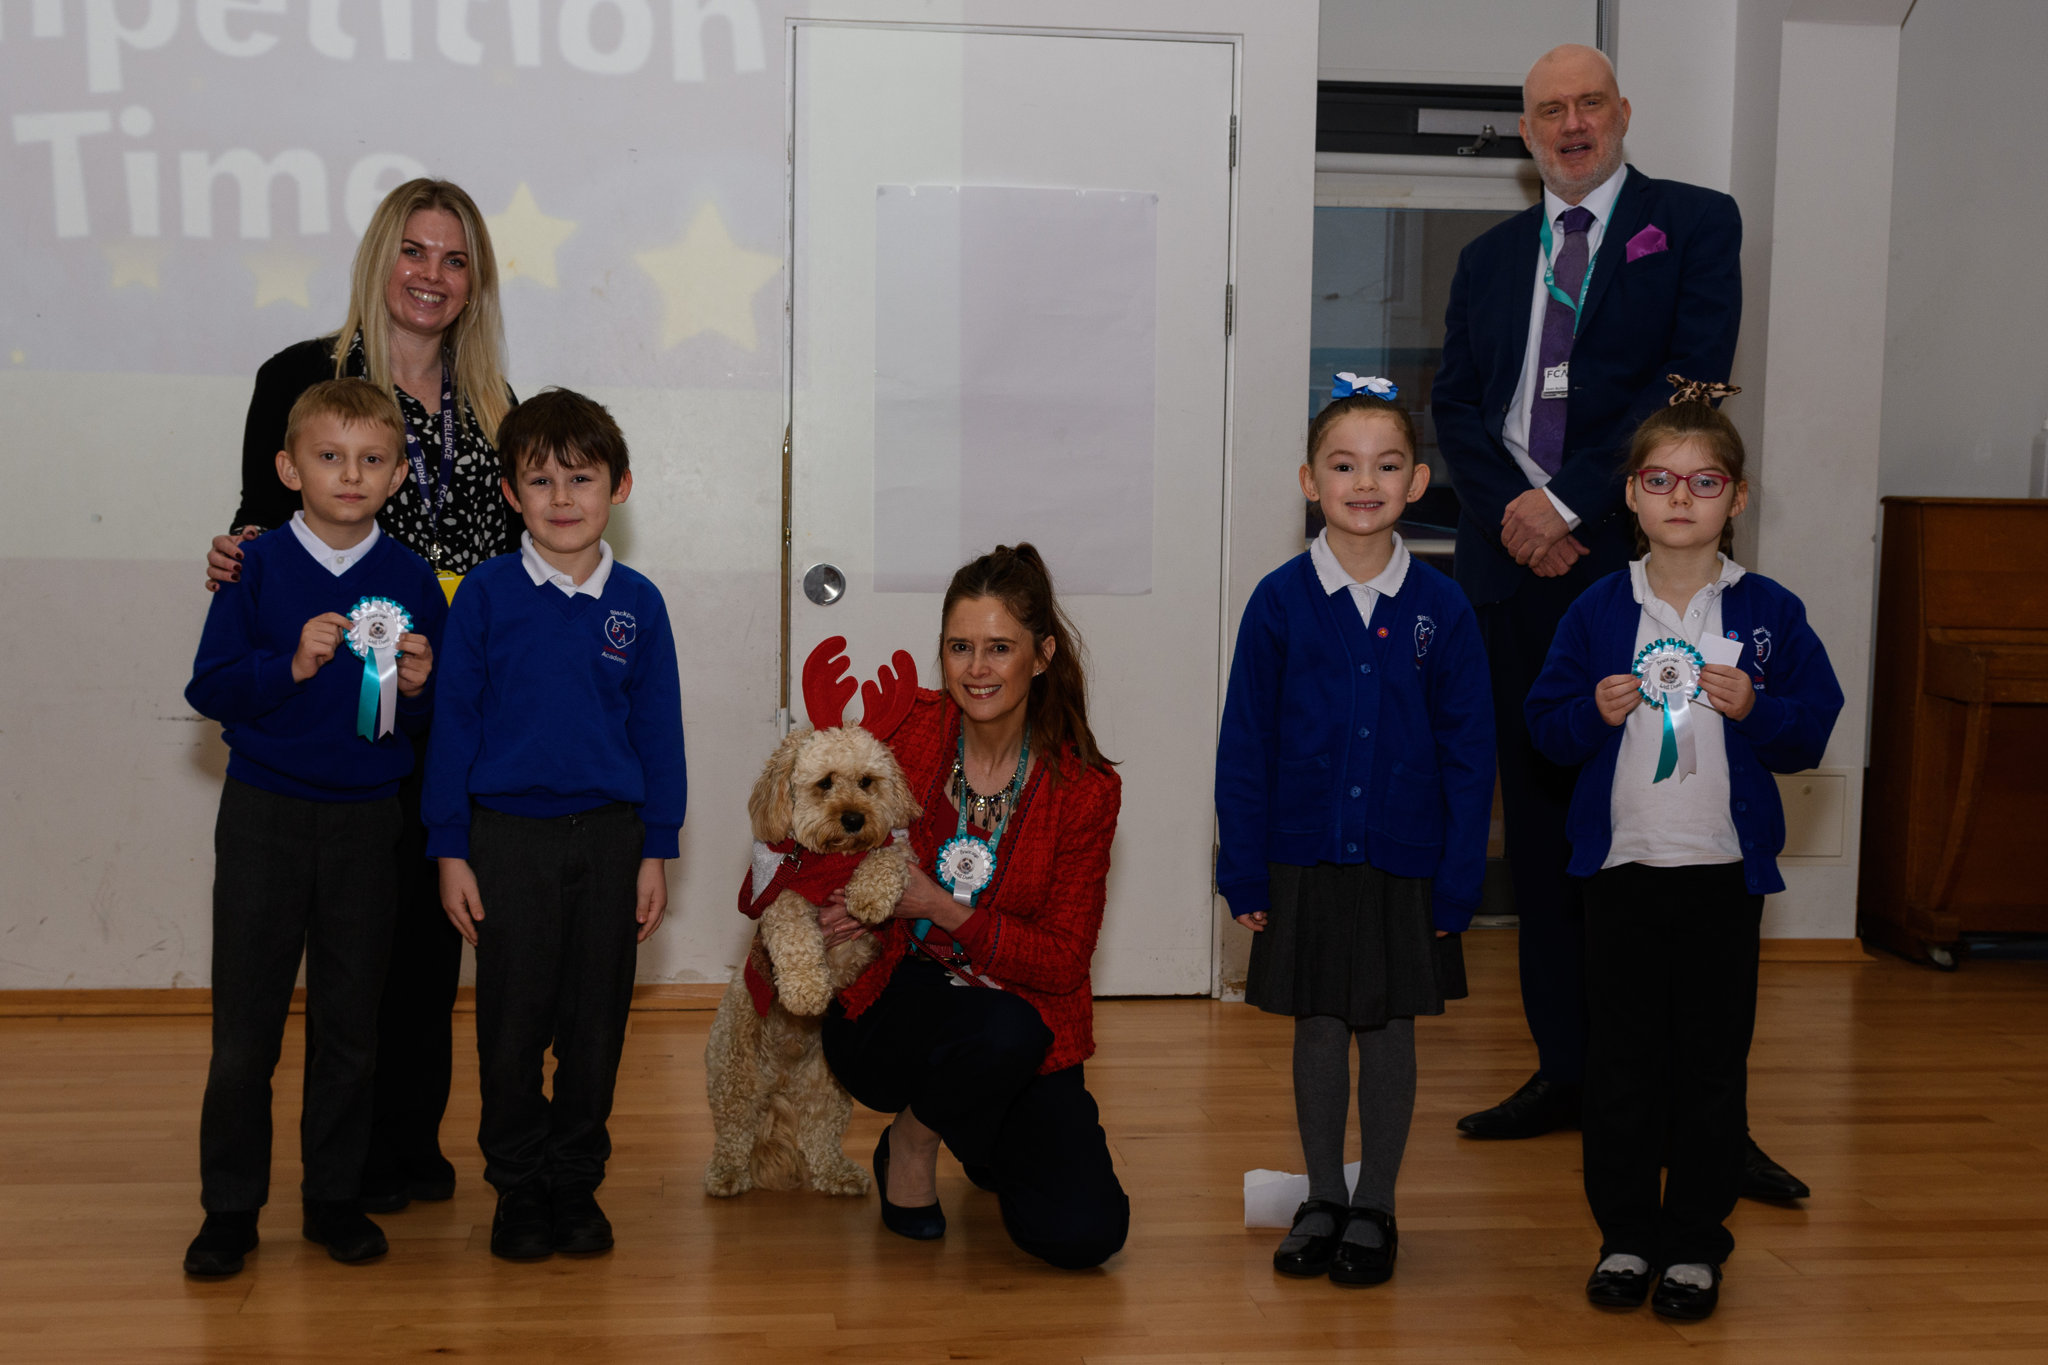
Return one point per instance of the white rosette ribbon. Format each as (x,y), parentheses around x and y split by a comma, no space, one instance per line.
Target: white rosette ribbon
(965,866)
(376,625)
(1668,678)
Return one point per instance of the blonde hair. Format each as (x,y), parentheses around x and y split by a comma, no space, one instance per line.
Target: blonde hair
(475,343)
(357,402)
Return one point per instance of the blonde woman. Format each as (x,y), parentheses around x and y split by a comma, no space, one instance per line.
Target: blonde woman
(423,321)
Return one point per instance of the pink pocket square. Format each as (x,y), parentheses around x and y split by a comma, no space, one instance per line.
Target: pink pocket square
(1648,242)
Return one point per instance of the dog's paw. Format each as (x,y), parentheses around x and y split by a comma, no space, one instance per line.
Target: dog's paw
(805,996)
(723,1182)
(842,1178)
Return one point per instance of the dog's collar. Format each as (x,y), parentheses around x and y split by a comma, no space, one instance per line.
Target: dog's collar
(771,858)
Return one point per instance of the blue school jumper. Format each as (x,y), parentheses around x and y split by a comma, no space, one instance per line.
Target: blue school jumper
(552,704)
(299,739)
(1797,700)
(1343,743)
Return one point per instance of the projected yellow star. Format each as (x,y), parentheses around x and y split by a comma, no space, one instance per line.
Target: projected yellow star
(135,260)
(708,282)
(281,276)
(525,238)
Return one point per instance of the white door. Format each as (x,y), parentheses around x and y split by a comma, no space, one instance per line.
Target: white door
(1009,254)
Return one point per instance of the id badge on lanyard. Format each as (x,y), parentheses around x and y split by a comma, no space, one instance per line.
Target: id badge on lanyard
(416,455)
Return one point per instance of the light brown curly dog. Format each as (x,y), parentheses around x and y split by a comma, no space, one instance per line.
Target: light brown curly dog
(779,1114)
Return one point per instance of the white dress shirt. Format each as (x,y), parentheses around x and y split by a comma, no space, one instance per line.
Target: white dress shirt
(1681,821)
(1334,578)
(1515,431)
(336,562)
(540,571)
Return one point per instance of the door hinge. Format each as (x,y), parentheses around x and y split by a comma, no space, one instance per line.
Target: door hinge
(1233,142)
(1229,308)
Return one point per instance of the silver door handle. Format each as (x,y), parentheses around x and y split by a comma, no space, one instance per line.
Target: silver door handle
(824,584)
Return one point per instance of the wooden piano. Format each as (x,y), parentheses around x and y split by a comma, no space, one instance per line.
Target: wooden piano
(1955,809)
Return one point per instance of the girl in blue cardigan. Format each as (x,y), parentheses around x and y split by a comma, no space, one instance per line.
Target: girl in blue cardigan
(1354,782)
(1681,686)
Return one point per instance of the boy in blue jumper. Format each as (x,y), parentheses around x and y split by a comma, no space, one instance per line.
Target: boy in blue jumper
(312,663)
(555,791)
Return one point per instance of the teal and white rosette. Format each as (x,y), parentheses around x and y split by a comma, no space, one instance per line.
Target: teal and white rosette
(376,624)
(1668,677)
(966,864)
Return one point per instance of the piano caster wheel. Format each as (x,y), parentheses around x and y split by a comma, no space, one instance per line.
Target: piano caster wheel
(1941,956)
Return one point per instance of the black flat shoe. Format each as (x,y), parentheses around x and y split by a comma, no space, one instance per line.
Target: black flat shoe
(920,1224)
(1684,1302)
(580,1227)
(1357,1263)
(339,1225)
(1763,1178)
(1315,1258)
(223,1240)
(1618,1288)
(1539,1107)
(523,1228)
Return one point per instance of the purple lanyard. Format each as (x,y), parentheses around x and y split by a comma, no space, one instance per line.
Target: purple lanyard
(417,454)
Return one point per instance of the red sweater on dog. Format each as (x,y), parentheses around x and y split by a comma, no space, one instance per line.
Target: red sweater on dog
(1034,927)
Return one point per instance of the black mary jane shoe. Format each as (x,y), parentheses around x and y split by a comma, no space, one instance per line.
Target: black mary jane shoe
(921,1224)
(223,1240)
(1618,1288)
(1315,1258)
(1357,1263)
(1686,1302)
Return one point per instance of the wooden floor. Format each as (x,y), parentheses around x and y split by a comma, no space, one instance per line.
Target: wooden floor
(1915,1103)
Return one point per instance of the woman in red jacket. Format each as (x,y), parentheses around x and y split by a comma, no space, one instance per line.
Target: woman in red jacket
(1005,903)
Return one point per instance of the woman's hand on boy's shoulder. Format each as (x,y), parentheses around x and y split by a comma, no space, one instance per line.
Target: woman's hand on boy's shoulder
(224,560)
(1616,696)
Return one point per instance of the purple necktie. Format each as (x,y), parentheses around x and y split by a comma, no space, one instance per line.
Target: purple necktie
(1568,272)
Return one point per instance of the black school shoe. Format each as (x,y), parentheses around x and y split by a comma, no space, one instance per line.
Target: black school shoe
(579,1225)
(1763,1178)
(1539,1107)
(432,1181)
(339,1225)
(223,1240)
(523,1228)
(1618,1288)
(1357,1263)
(1315,1258)
(1685,1302)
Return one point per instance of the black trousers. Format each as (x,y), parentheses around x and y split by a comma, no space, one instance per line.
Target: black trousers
(554,966)
(294,877)
(1671,968)
(965,1061)
(1535,795)
(415,1039)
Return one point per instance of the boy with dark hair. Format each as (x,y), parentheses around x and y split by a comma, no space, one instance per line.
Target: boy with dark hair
(555,791)
(312,662)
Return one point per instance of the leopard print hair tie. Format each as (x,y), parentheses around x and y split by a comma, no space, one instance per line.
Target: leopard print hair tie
(1699,390)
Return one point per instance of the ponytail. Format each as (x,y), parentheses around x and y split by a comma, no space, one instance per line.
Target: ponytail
(1058,707)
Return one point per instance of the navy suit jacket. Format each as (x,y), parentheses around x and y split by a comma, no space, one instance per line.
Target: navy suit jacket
(1672,311)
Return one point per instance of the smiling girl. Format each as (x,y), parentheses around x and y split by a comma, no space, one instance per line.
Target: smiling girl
(1681,685)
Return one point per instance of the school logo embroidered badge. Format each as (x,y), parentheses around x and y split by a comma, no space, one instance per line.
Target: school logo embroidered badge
(1761,638)
(1425,631)
(619,629)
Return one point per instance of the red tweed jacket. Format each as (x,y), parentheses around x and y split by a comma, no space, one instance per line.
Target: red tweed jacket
(1034,928)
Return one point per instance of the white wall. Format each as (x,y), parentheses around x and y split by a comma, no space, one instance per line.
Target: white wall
(1966,336)
(119,479)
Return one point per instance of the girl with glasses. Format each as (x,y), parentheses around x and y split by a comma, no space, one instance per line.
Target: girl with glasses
(1681,686)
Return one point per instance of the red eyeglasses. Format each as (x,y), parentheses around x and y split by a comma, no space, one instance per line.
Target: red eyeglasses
(1705,483)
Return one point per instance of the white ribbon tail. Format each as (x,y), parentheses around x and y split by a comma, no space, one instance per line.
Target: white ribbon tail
(1679,709)
(387,690)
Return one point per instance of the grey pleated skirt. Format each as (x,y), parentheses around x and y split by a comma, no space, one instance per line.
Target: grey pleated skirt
(1352,942)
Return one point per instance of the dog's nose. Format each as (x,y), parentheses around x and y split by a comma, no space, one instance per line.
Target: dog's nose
(852,821)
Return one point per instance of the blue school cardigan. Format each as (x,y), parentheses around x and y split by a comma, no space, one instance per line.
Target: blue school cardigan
(1797,700)
(1347,744)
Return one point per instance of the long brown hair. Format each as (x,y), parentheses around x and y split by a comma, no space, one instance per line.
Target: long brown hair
(474,344)
(1682,421)
(1057,709)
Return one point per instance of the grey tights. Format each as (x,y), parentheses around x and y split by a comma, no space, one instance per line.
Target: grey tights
(1322,1099)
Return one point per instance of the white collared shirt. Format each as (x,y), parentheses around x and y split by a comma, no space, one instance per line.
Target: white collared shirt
(336,562)
(540,571)
(1515,431)
(1681,821)
(1334,578)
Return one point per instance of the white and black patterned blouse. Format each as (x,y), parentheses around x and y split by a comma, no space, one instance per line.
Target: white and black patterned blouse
(476,523)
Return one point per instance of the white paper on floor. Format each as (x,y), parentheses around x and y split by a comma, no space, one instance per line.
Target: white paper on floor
(1271,1197)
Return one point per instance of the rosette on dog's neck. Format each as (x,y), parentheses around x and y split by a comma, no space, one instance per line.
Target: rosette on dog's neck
(1668,678)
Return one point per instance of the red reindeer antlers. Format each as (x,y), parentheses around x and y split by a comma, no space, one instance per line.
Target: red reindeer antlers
(884,703)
